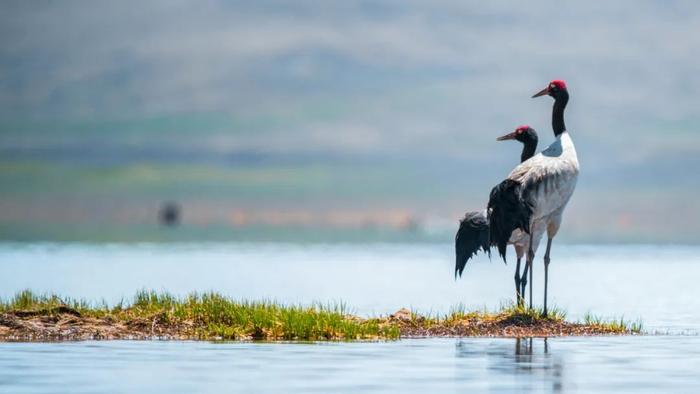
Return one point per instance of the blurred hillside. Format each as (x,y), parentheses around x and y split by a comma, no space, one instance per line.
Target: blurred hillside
(338,120)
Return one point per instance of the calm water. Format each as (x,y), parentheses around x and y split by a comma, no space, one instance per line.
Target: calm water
(656,284)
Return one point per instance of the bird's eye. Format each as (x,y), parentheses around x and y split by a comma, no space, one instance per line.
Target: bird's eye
(552,86)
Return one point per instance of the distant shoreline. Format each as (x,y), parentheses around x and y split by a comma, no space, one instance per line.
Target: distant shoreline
(209,316)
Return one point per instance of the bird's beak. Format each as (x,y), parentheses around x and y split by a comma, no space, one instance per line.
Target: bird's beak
(507,137)
(541,92)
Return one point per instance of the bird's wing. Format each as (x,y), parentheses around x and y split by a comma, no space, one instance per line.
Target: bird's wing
(473,234)
(508,210)
(547,180)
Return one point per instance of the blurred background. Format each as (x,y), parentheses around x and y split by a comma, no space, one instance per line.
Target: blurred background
(338,121)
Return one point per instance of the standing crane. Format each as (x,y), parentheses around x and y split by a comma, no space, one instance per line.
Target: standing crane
(533,197)
(473,233)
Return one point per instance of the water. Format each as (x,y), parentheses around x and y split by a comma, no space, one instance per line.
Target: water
(627,364)
(656,284)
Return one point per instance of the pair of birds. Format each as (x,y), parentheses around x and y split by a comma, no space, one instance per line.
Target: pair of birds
(529,202)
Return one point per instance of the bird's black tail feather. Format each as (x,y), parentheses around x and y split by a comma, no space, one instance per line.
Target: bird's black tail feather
(473,234)
(509,209)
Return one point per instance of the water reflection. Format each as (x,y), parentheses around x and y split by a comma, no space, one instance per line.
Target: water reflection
(522,363)
(631,364)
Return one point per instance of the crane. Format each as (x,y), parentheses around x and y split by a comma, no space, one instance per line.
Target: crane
(533,197)
(473,232)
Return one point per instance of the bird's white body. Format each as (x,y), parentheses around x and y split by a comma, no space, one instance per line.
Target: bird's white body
(519,239)
(550,178)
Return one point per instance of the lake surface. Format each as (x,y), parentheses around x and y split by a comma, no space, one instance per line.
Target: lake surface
(654,283)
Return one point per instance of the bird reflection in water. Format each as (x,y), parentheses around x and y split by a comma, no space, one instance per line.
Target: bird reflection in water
(525,363)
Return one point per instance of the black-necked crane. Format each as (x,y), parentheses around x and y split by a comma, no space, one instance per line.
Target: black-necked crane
(473,233)
(533,197)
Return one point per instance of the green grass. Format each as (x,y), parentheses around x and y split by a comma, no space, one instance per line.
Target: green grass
(28,300)
(508,312)
(514,314)
(213,316)
(620,324)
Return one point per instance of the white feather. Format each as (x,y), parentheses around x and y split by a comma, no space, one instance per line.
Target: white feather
(550,177)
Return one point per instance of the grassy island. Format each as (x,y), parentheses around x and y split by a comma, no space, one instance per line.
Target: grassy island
(210,316)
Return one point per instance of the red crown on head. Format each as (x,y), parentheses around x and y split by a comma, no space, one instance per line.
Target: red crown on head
(522,128)
(558,83)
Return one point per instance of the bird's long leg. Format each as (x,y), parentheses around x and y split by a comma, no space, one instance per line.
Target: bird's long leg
(546,268)
(518,296)
(523,278)
(530,257)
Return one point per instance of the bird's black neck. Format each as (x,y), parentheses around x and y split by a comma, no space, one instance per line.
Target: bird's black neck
(558,113)
(529,148)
